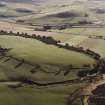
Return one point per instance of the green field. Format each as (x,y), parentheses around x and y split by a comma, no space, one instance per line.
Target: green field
(50,59)
(38,52)
(37,96)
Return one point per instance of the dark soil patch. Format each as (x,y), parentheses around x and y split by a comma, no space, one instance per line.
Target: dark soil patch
(23,10)
(65,15)
(99,11)
(100,93)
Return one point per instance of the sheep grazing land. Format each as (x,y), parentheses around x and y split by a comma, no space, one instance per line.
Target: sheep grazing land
(52,52)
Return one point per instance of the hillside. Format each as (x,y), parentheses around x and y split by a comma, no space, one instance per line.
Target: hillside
(51,52)
(39,65)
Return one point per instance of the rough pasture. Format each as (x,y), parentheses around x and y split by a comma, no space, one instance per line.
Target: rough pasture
(76,40)
(96,45)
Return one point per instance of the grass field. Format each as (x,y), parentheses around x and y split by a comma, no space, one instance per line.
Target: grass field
(76,40)
(83,31)
(37,96)
(80,38)
(37,52)
(96,45)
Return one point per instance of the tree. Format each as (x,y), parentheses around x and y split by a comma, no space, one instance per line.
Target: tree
(83,73)
(68,69)
(66,45)
(18,33)
(86,15)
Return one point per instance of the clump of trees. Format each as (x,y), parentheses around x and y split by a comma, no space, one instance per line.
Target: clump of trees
(99,68)
(68,69)
(3,51)
(84,22)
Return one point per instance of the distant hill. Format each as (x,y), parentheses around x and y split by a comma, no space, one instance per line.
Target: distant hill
(24,1)
(36,1)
